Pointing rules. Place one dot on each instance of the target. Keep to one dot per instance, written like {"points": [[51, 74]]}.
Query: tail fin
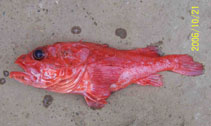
{"points": [[187, 66]]}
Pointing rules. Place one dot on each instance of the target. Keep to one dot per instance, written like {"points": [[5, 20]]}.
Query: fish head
{"points": [[42, 67], [51, 65]]}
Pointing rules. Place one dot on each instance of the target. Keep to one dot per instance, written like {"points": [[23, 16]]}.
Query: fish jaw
{"points": [[22, 77]]}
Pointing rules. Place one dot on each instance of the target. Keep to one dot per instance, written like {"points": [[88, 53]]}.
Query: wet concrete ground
{"points": [[182, 101]]}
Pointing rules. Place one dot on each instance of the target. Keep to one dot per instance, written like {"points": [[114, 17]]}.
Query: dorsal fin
{"points": [[152, 51]]}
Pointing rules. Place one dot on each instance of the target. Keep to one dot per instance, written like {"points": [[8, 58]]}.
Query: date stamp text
{"points": [[195, 27]]}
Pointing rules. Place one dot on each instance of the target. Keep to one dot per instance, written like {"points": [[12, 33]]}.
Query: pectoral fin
{"points": [[94, 102]]}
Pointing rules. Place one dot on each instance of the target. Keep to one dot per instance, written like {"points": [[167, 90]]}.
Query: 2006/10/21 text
{"points": [[195, 25]]}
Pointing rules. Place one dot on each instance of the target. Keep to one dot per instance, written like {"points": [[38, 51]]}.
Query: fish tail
{"points": [[184, 64]]}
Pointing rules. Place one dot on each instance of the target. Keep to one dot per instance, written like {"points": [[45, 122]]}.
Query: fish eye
{"points": [[38, 54]]}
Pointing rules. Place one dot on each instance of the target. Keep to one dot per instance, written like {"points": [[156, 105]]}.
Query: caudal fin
{"points": [[187, 66]]}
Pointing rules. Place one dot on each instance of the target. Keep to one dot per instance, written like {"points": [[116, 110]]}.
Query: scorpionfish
{"points": [[96, 70]]}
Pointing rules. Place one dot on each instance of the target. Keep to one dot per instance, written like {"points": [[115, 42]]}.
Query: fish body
{"points": [[95, 70]]}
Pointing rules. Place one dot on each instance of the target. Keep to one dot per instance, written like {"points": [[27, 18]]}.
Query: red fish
{"points": [[95, 70]]}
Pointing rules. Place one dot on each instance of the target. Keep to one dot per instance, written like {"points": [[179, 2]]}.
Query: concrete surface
{"points": [[182, 101]]}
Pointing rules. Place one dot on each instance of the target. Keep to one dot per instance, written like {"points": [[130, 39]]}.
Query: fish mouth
{"points": [[23, 77]]}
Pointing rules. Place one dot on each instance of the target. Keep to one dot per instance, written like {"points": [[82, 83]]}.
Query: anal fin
{"points": [[153, 80]]}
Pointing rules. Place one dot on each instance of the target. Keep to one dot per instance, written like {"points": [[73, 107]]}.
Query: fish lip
{"points": [[22, 77], [14, 74], [20, 64]]}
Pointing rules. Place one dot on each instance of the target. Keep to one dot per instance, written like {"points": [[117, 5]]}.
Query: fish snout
{"points": [[20, 58]]}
